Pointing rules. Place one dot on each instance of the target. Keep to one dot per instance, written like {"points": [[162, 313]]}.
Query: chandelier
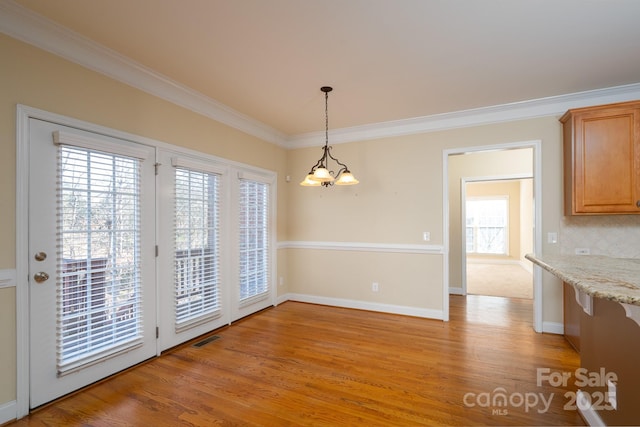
{"points": [[321, 173]]}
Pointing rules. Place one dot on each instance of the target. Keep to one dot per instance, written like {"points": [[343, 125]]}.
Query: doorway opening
{"points": [[497, 223], [476, 170]]}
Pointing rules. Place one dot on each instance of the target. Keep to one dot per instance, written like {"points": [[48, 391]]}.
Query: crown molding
{"points": [[543, 107], [20, 23]]}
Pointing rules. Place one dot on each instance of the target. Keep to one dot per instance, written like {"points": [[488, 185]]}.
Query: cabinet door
{"points": [[606, 161]]}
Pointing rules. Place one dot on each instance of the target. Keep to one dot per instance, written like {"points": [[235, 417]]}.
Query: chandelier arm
{"points": [[317, 165], [322, 161], [345, 168]]}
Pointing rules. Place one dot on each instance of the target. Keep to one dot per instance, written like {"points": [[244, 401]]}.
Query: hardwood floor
{"points": [[303, 364]]}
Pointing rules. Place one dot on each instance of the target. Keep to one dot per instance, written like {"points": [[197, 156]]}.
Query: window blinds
{"points": [[99, 294], [196, 247], [253, 240]]}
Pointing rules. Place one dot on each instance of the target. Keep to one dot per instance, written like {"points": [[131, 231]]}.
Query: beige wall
{"points": [[399, 197], [405, 280], [396, 201], [37, 79]]}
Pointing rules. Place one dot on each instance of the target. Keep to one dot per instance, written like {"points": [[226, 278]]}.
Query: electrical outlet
{"points": [[582, 251], [375, 287], [281, 281], [426, 236]]}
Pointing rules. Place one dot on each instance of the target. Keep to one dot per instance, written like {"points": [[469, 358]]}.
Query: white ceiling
{"points": [[386, 59]]}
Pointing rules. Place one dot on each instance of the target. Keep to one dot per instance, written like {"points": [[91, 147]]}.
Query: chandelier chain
{"points": [[326, 118]]}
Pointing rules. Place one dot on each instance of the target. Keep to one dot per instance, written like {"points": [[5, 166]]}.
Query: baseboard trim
{"points": [[502, 261], [282, 298], [456, 290], [8, 411], [527, 265], [547, 327], [364, 305], [553, 328], [590, 415]]}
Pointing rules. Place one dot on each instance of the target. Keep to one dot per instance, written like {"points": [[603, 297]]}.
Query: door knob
{"points": [[638, 203], [40, 277], [40, 256]]}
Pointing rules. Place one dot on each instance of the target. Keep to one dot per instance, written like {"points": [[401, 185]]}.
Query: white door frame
{"points": [[23, 115], [536, 145]]}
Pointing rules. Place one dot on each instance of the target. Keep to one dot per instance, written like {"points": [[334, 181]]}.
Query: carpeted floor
{"points": [[502, 280]]}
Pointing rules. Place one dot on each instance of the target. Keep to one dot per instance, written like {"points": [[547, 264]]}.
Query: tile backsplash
{"points": [[610, 235]]}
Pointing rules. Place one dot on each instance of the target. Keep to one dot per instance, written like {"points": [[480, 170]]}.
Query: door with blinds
{"points": [[253, 242], [194, 224], [92, 278]]}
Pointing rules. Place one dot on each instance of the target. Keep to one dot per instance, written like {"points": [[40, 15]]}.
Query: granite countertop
{"points": [[615, 279]]}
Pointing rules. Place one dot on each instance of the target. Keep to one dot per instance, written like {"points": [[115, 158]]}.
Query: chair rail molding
{"points": [[364, 247], [7, 278]]}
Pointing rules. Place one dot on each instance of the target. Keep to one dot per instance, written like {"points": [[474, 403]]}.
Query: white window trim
{"points": [[88, 143], [199, 165]]}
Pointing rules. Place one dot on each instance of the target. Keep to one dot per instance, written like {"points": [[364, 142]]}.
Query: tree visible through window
{"points": [[487, 222]]}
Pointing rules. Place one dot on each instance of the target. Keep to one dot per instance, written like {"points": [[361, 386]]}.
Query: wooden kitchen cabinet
{"points": [[602, 159]]}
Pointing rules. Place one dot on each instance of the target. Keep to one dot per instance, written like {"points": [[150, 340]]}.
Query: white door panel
{"points": [[252, 246], [192, 257], [95, 314]]}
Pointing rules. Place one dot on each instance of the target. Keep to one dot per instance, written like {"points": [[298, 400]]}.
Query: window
{"points": [[214, 221], [253, 240], [487, 225], [196, 247], [99, 294]]}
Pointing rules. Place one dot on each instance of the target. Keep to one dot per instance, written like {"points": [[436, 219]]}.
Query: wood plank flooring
{"points": [[302, 364]]}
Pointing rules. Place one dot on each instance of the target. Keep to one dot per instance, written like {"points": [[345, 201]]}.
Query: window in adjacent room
{"points": [[487, 220]]}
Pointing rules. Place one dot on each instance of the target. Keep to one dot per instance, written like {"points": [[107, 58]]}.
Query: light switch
{"points": [[552, 237]]}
